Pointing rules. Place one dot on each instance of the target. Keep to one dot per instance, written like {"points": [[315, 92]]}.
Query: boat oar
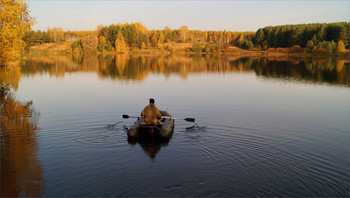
{"points": [[127, 116], [186, 119]]}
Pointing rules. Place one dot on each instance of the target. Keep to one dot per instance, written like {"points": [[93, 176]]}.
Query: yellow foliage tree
{"points": [[183, 33], [241, 38], [160, 46], [140, 27], [340, 47], [143, 45], [120, 45], [14, 22], [89, 43], [161, 38]]}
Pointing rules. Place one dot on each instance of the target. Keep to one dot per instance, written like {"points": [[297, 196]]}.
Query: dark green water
{"points": [[267, 127]]}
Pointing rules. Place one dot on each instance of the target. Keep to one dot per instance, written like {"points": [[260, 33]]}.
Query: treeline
{"points": [[302, 35], [320, 38], [52, 35], [122, 38], [184, 35]]}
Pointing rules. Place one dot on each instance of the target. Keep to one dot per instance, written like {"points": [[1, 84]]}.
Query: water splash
{"points": [[195, 127]]}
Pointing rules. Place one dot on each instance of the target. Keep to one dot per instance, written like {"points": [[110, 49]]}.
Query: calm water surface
{"points": [[266, 127]]}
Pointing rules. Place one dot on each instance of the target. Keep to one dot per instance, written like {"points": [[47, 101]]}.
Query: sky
{"points": [[197, 15]]}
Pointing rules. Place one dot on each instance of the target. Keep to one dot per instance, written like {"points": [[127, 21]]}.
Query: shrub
{"points": [[76, 44], [155, 44], [215, 48], [69, 50], [207, 49], [296, 49], [271, 49], [309, 46], [246, 44], [197, 48]]}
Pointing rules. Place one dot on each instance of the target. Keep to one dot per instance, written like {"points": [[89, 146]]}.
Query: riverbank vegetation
{"points": [[322, 39], [15, 21], [317, 39]]}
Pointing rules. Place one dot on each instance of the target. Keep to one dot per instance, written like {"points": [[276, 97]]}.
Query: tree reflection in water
{"points": [[136, 68], [21, 171]]}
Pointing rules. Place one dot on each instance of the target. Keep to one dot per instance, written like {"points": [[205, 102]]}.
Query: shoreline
{"points": [[62, 48]]}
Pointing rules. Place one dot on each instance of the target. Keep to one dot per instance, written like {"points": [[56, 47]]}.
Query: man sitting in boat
{"points": [[151, 114]]}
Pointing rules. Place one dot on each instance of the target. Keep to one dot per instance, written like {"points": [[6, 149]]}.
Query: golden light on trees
{"points": [[14, 22], [21, 170], [90, 43], [10, 75], [340, 47], [183, 33], [120, 45]]}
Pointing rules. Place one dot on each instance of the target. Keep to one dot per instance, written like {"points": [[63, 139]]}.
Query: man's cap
{"points": [[151, 100]]}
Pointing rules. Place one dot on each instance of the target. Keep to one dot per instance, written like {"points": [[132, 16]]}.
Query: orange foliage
{"points": [[21, 171]]}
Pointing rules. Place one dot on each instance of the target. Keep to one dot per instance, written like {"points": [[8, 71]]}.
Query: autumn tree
{"points": [[14, 22], [207, 48], [241, 38], [89, 43], [197, 48], [183, 33], [340, 46], [143, 46], [154, 37], [309, 46], [56, 34], [120, 45], [98, 29], [161, 38], [102, 44], [167, 34]]}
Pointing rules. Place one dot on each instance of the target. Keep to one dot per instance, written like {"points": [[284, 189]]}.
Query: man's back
{"points": [[151, 114]]}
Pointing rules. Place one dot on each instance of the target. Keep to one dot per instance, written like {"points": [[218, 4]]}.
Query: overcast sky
{"points": [[197, 15]]}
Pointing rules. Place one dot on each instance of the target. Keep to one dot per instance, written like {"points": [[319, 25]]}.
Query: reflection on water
{"points": [[331, 71], [285, 140], [122, 67], [10, 76], [21, 171], [151, 146]]}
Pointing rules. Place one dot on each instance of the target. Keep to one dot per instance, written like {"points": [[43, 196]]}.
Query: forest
{"points": [[123, 38], [302, 35]]}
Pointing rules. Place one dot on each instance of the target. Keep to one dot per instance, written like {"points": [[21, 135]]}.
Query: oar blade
{"points": [[125, 116], [190, 119]]}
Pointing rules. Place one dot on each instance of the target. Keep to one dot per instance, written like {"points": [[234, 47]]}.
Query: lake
{"points": [[265, 126]]}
